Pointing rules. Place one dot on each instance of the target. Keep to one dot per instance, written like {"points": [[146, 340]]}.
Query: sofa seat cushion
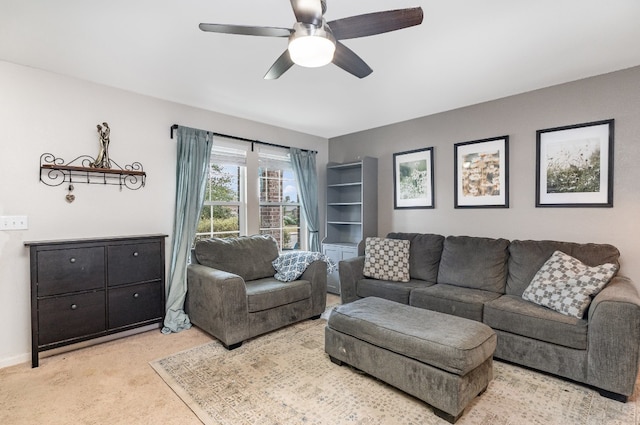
{"points": [[268, 293], [394, 291], [424, 254], [512, 314], [250, 257], [456, 300], [473, 262], [447, 342]]}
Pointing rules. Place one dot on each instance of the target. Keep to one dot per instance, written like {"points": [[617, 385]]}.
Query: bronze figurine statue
{"points": [[102, 160]]}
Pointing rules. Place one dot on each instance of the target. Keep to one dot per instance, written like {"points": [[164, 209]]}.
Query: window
{"points": [[279, 201], [249, 192], [224, 208]]}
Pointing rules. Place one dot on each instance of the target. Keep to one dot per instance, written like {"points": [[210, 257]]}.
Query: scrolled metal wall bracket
{"points": [[54, 172]]}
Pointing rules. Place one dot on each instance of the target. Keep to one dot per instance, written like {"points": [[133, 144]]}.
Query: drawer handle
{"points": [[72, 260], [135, 254], [74, 306], [136, 295]]}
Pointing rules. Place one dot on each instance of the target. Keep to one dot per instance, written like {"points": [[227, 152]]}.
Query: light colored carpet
{"points": [[109, 383], [285, 377]]}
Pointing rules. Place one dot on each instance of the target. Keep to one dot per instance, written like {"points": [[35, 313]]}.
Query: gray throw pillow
{"points": [[387, 259], [566, 285]]}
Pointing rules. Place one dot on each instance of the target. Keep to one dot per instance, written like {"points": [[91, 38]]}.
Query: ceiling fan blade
{"points": [[280, 66], [247, 30], [346, 59], [308, 11], [375, 23]]}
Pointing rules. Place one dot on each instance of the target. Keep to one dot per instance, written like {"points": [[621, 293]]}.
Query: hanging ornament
{"points": [[70, 196]]}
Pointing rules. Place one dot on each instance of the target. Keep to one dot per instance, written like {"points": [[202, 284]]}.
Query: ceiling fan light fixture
{"points": [[311, 46]]}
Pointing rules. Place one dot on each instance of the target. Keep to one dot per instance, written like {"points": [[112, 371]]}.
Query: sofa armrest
{"points": [[350, 271], [316, 274], [217, 303], [614, 337]]}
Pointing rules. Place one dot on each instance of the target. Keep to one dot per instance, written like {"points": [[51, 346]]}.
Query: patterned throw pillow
{"points": [[387, 259], [290, 265], [566, 285]]}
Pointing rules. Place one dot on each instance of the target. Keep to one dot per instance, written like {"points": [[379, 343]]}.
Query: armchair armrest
{"points": [[217, 303], [614, 337], [350, 271], [316, 274]]}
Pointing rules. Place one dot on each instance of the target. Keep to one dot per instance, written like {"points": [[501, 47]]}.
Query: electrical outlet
{"points": [[14, 222]]}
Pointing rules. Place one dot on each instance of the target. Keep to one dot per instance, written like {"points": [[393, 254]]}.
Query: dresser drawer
{"points": [[135, 303], [71, 316], [70, 269], [136, 262]]}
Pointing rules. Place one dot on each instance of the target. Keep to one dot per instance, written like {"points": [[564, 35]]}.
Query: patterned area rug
{"points": [[285, 377]]}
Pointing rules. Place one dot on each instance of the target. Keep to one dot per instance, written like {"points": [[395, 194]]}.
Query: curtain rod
{"points": [[175, 127]]}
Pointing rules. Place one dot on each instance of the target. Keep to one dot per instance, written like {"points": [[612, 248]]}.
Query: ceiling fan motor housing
{"points": [[310, 45]]}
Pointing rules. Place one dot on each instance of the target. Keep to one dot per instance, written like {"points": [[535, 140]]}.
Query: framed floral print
{"points": [[481, 173]]}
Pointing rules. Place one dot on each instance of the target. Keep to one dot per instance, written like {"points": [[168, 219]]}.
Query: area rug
{"points": [[285, 378]]}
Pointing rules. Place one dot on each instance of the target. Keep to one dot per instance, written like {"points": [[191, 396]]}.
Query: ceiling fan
{"points": [[313, 42]]}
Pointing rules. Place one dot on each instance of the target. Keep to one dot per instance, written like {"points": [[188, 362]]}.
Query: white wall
{"points": [[45, 112], [615, 95]]}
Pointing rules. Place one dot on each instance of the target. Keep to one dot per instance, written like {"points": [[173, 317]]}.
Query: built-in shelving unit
{"points": [[352, 210]]}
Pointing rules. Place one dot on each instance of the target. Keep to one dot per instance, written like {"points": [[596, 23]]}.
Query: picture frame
{"points": [[413, 185], [574, 165], [481, 173]]}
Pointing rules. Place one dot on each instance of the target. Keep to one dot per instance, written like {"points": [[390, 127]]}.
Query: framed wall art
{"points": [[481, 173], [413, 179], [574, 165]]}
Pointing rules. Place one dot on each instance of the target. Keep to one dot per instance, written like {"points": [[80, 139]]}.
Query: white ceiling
{"points": [[465, 52]]}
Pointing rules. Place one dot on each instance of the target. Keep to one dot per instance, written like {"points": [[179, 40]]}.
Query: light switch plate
{"points": [[14, 222]]}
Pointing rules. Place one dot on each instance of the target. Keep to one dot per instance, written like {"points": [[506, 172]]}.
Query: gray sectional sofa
{"points": [[483, 279]]}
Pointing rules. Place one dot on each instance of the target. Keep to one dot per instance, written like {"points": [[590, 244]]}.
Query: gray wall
{"points": [[615, 95]]}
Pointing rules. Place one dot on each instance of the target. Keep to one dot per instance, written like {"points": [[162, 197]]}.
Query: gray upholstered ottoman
{"points": [[443, 360]]}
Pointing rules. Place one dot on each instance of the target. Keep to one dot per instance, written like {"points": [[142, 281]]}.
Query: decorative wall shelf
{"points": [[54, 172]]}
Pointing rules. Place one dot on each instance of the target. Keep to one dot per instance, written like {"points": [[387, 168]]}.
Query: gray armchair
{"points": [[233, 295]]}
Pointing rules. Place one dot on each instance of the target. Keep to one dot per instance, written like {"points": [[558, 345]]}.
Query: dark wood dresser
{"points": [[88, 288]]}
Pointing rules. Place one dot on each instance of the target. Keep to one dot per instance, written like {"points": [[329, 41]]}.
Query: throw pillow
{"points": [[291, 264], [387, 259], [566, 285]]}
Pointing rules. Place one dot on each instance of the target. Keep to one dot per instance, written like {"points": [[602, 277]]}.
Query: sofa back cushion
{"points": [[474, 262], [424, 254], [527, 257], [249, 257]]}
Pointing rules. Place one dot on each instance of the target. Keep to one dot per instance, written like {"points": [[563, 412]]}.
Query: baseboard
{"points": [[26, 357], [15, 360]]}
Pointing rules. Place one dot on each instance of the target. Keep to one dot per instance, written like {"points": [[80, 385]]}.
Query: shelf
{"points": [[344, 204], [357, 164], [358, 223], [54, 172], [342, 244], [345, 184]]}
